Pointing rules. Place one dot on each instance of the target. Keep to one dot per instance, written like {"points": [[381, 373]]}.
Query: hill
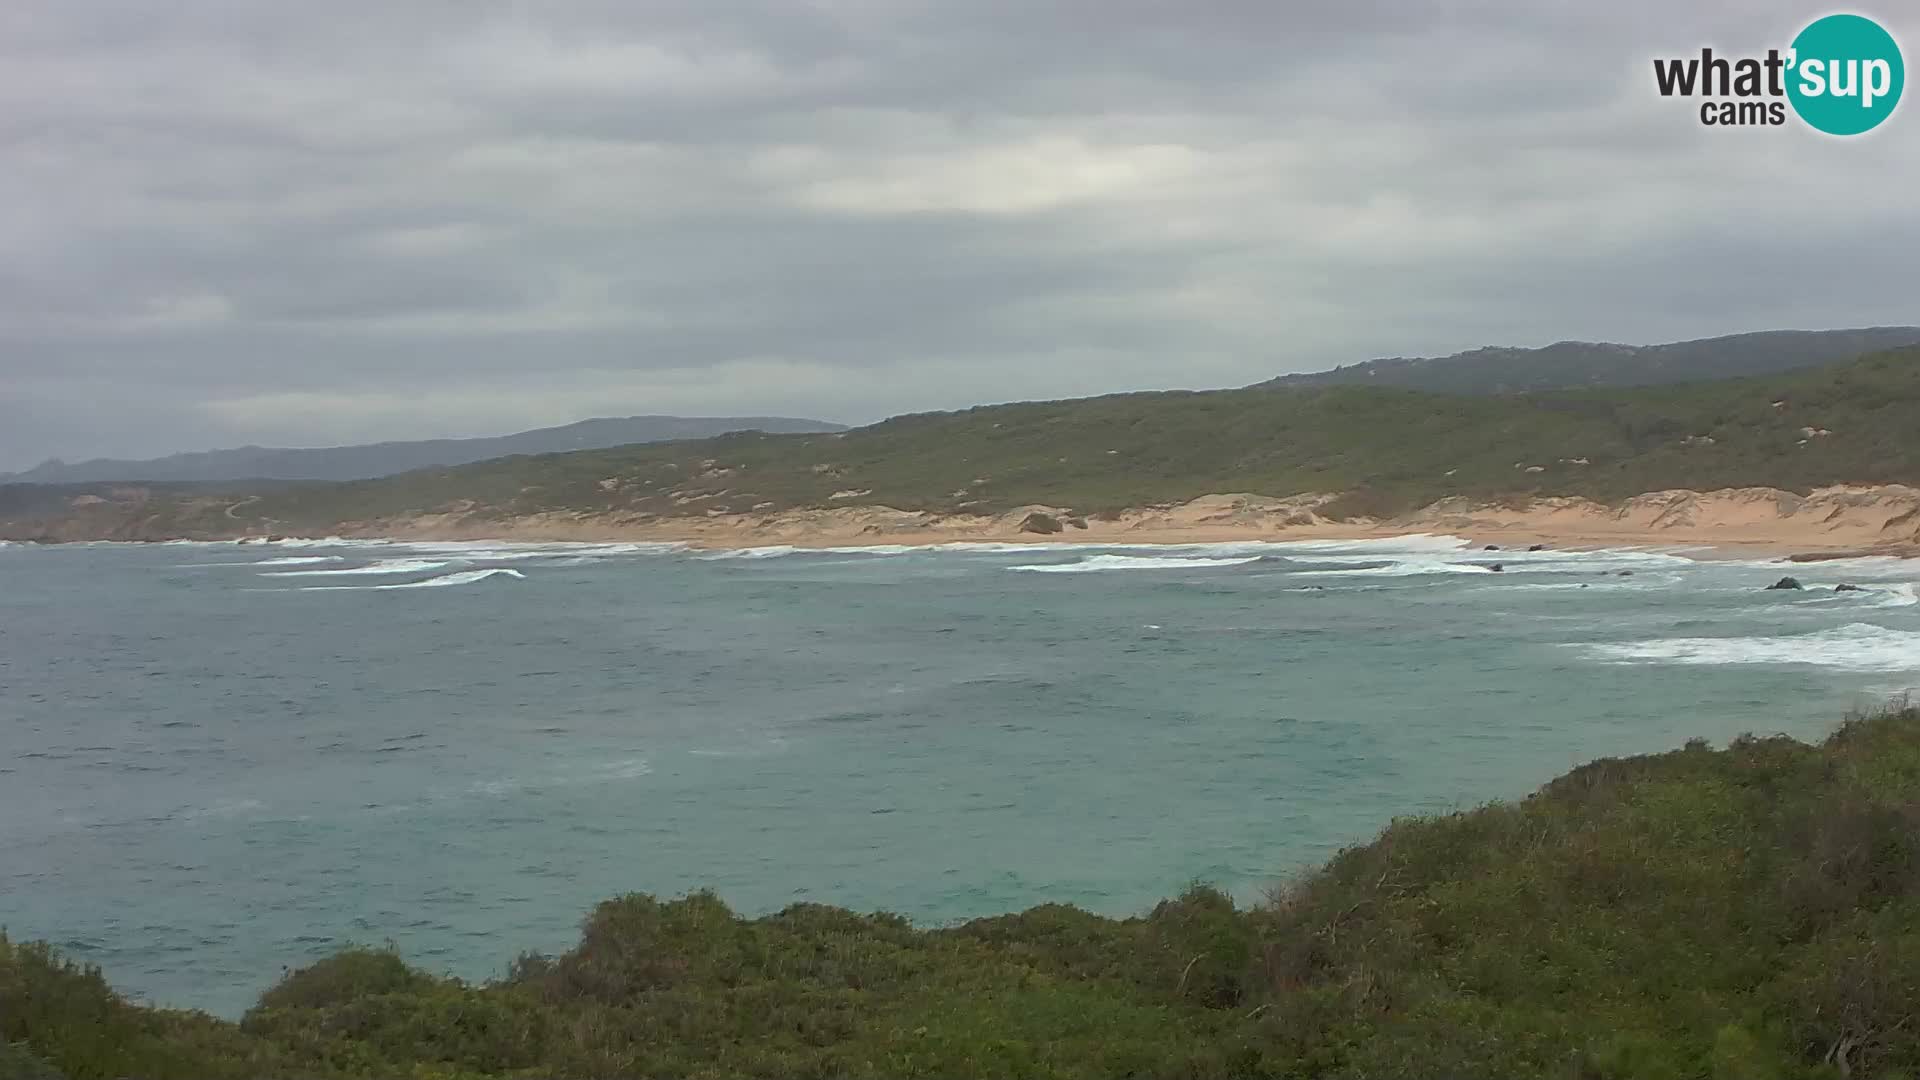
{"points": [[1752, 912], [1386, 450], [388, 458], [1571, 364]]}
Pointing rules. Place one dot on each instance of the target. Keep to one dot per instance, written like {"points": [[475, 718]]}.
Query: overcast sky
{"points": [[224, 221]]}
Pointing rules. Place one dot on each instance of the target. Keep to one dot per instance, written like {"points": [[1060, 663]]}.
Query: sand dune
{"points": [[1835, 520]]}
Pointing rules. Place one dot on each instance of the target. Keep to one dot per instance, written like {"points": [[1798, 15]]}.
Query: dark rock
{"points": [[1044, 524], [1786, 583], [1538, 547], [1623, 573], [1843, 587], [1491, 547], [1497, 568]]}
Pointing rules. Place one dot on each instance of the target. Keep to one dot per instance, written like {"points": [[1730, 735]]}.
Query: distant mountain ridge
{"points": [[372, 460], [1568, 365]]}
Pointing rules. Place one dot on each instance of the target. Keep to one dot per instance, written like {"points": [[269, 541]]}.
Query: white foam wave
{"points": [[1093, 563], [1853, 647], [292, 560], [662, 547], [1410, 542], [1001, 547], [458, 577], [315, 541], [775, 551], [384, 566], [771, 551], [1901, 595], [557, 553], [1408, 568], [622, 769]]}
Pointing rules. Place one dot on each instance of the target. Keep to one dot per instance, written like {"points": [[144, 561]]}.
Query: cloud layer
{"points": [[305, 225]]}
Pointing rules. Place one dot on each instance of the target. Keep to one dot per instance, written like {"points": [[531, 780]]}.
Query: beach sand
{"points": [[1830, 522]]}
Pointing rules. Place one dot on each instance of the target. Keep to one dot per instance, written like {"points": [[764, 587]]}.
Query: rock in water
{"points": [[1036, 522], [1491, 547], [1497, 568], [1538, 547], [1786, 583], [1843, 587]]}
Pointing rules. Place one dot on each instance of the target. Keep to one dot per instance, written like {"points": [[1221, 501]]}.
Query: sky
{"points": [[226, 222]]}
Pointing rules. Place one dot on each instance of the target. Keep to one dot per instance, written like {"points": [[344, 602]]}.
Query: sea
{"points": [[219, 762]]}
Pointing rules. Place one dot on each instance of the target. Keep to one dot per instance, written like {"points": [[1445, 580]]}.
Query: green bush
{"points": [[1752, 912]]}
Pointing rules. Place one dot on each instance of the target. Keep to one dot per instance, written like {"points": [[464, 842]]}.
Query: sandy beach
{"points": [[1827, 523]]}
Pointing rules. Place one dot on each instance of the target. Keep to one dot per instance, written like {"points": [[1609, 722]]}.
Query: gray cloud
{"points": [[236, 222]]}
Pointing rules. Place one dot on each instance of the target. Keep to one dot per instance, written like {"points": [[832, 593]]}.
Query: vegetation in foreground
{"points": [[1387, 450], [1752, 912]]}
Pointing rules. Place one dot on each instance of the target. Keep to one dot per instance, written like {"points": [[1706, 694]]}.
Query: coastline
{"points": [[1828, 523], [1838, 522]]}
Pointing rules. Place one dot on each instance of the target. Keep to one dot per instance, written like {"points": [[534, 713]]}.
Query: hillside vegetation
{"points": [[1387, 450], [1578, 364], [1752, 912]]}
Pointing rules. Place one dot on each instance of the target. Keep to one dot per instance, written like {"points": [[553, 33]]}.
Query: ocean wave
{"points": [[557, 553], [1901, 595], [638, 547], [1853, 647], [1094, 563], [312, 542], [1407, 568], [1637, 583], [1896, 595], [290, 560], [384, 566], [1000, 547], [770, 551], [776, 551], [1411, 542], [620, 769], [458, 577]]}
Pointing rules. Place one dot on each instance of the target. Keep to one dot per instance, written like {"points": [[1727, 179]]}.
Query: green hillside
{"points": [[1569, 364], [1745, 913], [1389, 450]]}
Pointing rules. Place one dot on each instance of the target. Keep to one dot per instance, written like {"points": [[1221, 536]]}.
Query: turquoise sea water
{"points": [[220, 760]]}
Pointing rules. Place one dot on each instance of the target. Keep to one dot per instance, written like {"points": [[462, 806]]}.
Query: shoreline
{"points": [[1829, 523]]}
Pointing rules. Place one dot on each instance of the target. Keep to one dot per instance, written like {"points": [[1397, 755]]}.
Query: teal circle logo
{"points": [[1845, 74]]}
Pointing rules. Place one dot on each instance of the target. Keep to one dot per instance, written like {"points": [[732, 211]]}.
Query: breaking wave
{"points": [[384, 566], [1853, 647], [773, 551], [1132, 562], [1901, 595], [1409, 568], [458, 577], [292, 560]]}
